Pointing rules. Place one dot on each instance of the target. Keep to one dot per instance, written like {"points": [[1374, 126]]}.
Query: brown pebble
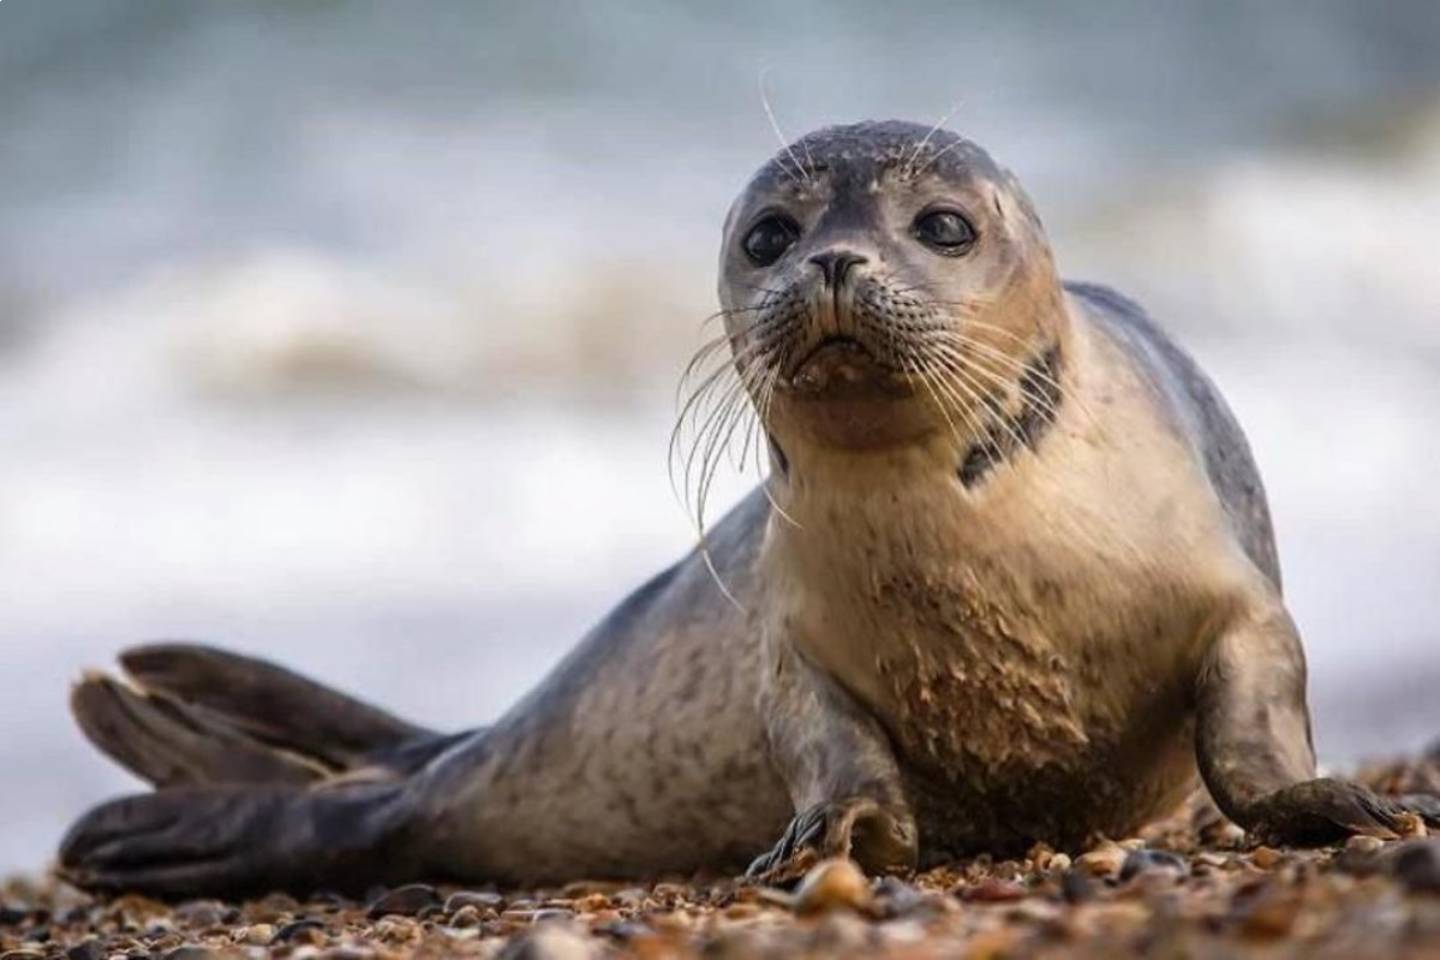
{"points": [[831, 884], [306, 931], [1271, 915], [465, 917], [1363, 843], [1105, 860], [1265, 857], [259, 934], [994, 891]]}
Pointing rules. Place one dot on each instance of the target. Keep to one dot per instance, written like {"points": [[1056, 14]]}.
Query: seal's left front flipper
{"points": [[841, 772], [237, 841], [1254, 746]]}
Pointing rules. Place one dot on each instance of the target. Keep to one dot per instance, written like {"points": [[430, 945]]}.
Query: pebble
{"points": [[1076, 886], [406, 901], [994, 891], [832, 884], [550, 941], [1265, 857], [189, 952], [1152, 861], [1105, 860], [91, 949], [466, 917], [301, 931], [478, 899], [1363, 843], [259, 934], [1416, 864]]}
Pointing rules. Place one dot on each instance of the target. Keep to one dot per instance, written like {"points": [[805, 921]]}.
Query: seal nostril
{"points": [[834, 264]]}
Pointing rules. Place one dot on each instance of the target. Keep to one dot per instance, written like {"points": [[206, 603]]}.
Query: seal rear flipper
{"points": [[169, 744], [235, 841], [272, 704]]}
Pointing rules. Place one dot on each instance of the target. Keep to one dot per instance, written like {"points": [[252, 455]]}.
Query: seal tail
{"points": [[195, 715]]}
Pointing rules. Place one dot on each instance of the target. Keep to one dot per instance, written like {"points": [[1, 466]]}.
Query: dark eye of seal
{"points": [[768, 240], [945, 231]]}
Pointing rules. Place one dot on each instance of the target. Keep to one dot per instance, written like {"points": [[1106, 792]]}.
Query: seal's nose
{"points": [[834, 264]]}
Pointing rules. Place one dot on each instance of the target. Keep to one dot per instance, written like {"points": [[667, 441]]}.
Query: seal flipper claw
{"points": [[858, 828]]}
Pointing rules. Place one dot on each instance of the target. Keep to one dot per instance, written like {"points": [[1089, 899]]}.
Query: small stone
{"points": [[1076, 886], [1105, 860], [91, 949], [466, 917], [1411, 826], [1362, 843], [22, 954], [1416, 864], [1152, 861], [305, 931], [549, 941], [479, 899], [994, 891], [899, 898], [257, 935], [201, 913], [1265, 857], [1271, 914], [831, 884], [406, 901], [1059, 863], [189, 952]]}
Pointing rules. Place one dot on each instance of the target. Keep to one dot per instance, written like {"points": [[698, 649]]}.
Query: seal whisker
{"points": [[919, 147], [784, 143]]}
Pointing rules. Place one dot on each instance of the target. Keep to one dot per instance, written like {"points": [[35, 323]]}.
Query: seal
{"points": [[1011, 579]]}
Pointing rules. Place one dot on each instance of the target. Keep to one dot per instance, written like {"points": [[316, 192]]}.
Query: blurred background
{"points": [[347, 333]]}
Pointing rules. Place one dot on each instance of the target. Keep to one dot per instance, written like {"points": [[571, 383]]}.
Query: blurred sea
{"points": [[346, 333]]}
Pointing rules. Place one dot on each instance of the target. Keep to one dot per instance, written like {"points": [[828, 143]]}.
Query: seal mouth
{"points": [[836, 346], [840, 362]]}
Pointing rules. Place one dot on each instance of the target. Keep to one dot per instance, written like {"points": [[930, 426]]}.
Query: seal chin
{"points": [[842, 395], [843, 365]]}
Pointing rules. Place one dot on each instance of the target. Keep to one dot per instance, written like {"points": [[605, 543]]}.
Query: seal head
{"points": [[864, 265]]}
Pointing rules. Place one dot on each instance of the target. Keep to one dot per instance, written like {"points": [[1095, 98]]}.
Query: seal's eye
{"points": [[945, 231], [768, 240]]}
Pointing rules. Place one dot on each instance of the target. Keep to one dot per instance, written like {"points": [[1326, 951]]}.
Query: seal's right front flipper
{"points": [[229, 841], [1253, 743], [842, 775]]}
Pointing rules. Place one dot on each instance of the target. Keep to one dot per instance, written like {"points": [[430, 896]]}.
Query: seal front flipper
{"points": [[1254, 746], [843, 777], [237, 841]]}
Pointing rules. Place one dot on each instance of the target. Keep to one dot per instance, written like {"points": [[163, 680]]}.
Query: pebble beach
{"points": [[1190, 886]]}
